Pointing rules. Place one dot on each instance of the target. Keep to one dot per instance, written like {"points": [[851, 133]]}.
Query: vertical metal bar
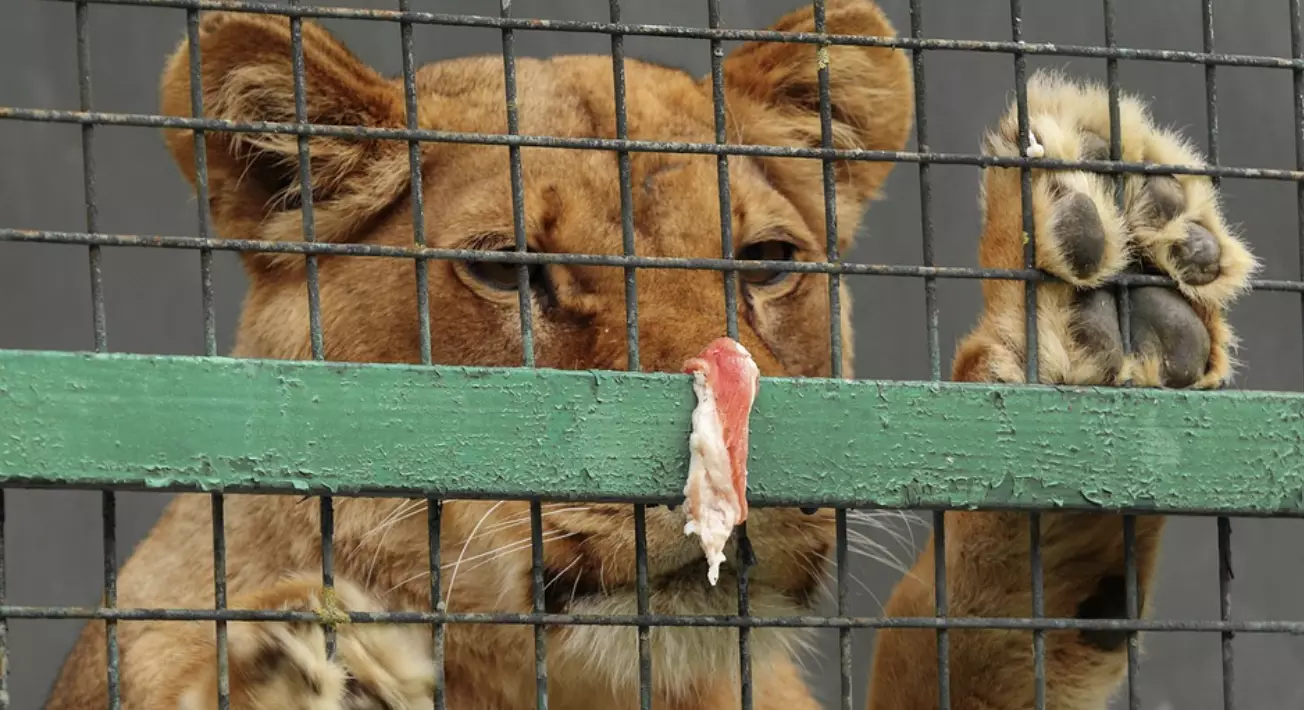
{"points": [[201, 183], [540, 634], [210, 344], [305, 186], [925, 192], [327, 509], [1214, 157], [722, 171], [1297, 51], [1133, 611], [939, 610], [418, 194], [644, 631], [88, 176], [219, 600], [830, 198], [518, 189], [4, 622], [626, 194], [110, 513], [731, 327], [434, 523], [1123, 293], [328, 562], [1210, 86], [1225, 576], [1038, 611], [934, 348], [1032, 352], [844, 633]]}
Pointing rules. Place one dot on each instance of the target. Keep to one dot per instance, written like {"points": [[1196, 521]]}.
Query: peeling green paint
{"points": [[221, 424]]}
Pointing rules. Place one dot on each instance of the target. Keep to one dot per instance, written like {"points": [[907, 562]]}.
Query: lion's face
{"points": [[570, 201]]}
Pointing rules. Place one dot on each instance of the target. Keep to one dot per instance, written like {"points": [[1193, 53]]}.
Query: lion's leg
{"points": [[1180, 338]]}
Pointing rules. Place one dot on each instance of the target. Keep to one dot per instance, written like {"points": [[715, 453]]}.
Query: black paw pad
{"points": [[1096, 328], [1109, 601], [1197, 256], [1082, 234], [1164, 325], [1167, 198]]}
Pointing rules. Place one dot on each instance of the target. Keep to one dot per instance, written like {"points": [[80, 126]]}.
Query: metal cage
{"points": [[37, 406]]}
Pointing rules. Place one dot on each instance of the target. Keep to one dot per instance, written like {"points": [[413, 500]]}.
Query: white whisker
{"points": [[829, 573], [564, 570], [492, 555], [448, 600]]}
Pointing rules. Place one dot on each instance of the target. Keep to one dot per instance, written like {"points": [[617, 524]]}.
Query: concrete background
{"points": [[153, 296]]}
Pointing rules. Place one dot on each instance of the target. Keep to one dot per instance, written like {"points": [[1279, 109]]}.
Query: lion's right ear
{"points": [[246, 75]]}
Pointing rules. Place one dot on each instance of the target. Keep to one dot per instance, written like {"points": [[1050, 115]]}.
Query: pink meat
{"points": [[726, 380]]}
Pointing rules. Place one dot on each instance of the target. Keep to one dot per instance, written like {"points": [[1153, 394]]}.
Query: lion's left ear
{"points": [[772, 91]]}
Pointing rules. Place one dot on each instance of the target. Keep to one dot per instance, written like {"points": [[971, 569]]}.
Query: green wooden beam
{"points": [[220, 424]]}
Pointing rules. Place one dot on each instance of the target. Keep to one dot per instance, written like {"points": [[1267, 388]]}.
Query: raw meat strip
{"points": [[725, 379]]}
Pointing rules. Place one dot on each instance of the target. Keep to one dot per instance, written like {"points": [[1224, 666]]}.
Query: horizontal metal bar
{"points": [[189, 423], [652, 30], [637, 146], [665, 620], [642, 262]]}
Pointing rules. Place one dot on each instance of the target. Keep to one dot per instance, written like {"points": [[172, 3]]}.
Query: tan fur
{"points": [[361, 194]]}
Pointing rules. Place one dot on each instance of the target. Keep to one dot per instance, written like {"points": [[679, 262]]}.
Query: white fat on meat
{"points": [[725, 381]]}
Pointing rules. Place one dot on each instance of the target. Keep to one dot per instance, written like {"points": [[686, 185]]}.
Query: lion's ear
{"points": [[246, 72], [772, 91]]}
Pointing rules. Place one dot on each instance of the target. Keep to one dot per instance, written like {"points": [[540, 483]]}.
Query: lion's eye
{"points": [[772, 250], [500, 275]]}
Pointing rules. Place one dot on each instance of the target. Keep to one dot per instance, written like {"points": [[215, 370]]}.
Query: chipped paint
{"points": [[181, 423]]}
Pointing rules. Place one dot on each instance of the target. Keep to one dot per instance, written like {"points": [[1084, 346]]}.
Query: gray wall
{"points": [[153, 296]]}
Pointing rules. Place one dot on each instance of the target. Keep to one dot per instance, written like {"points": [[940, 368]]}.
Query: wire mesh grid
{"points": [[523, 259]]}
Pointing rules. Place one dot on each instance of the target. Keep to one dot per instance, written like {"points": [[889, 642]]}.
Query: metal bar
{"points": [[1224, 523], [327, 514], [472, 255], [210, 344], [830, 197], [421, 266], [523, 285], [633, 620], [434, 527], [219, 600], [305, 186], [4, 621], [844, 635], [540, 630], [96, 259], [722, 173], [1225, 576], [730, 278], [1038, 611], [641, 587], [940, 611], [925, 193], [683, 32], [108, 503], [633, 146], [1032, 352], [627, 233], [201, 183], [1297, 49], [1133, 612], [1122, 292]]}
